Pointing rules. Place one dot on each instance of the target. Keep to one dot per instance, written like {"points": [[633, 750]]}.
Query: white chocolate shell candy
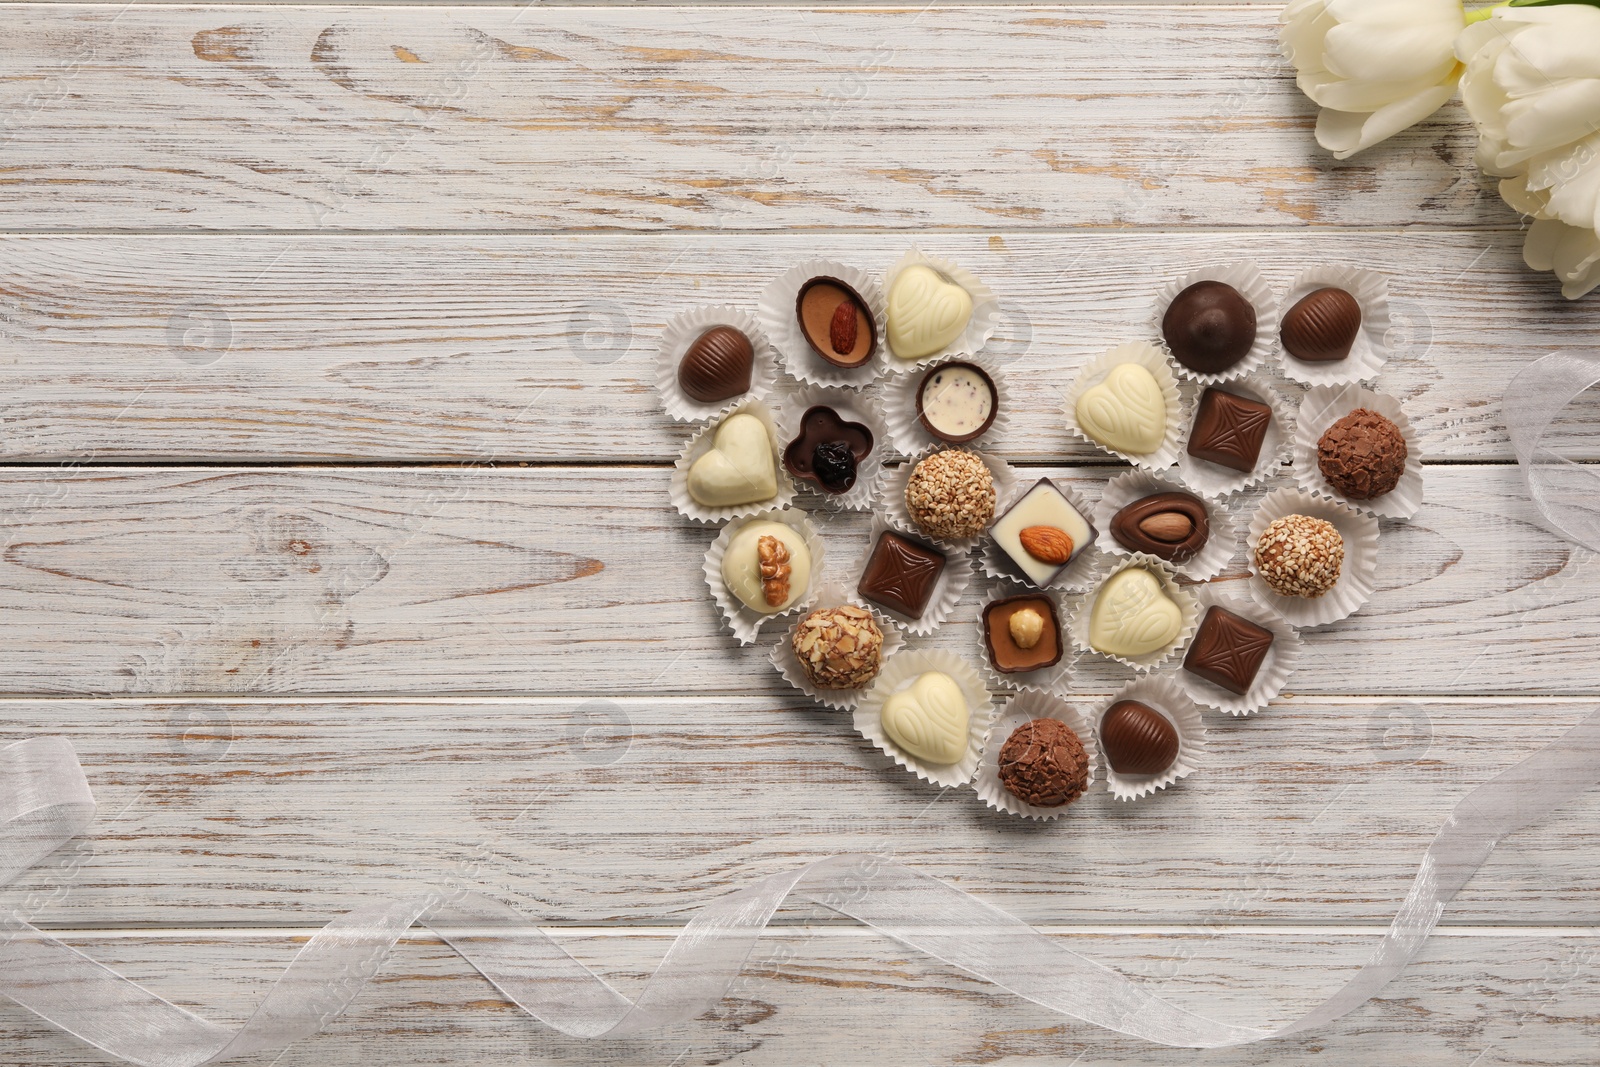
{"points": [[787, 571], [1133, 616], [929, 719], [1126, 412], [739, 469], [926, 312]]}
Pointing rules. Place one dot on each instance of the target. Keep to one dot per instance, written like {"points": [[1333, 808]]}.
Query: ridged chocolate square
{"points": [[901, 574], [1228, 430], [1228, 650]]}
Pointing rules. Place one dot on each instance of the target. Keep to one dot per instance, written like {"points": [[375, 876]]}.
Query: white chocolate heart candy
{"points": [[739, 469], [1133, 616], [926, 312], [929, 719], [1126, 411]]}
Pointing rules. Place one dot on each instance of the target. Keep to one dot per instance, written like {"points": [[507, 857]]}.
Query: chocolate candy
{"points": [[1137, 739], [835, 322], [767, 566], [717, 366], [901, 574], [1125, 411], [1363, 455], [1044, 764], [1209, 327], [1169, 526], [1299, 555], [1228, 650], [827, 450], [739, 468], [1133, 616], [1229, 430], [929, 719], [956, 402], [1042, 508], [1022, 633], [1322, 326], [927, 312]]}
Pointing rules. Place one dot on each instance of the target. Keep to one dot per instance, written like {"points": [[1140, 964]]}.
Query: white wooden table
{"points": [[336, 535]]}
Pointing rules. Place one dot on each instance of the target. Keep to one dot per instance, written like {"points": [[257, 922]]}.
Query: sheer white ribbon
{"points": [[45, 802]]}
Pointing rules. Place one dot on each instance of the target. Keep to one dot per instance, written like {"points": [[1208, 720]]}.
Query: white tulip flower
{"points": [[1532, 85], [1375, 66]]}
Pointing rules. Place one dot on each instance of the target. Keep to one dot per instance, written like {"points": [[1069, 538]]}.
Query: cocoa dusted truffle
{"points": [[1363, 455], [1043, 763], [839, 648], [1300, 556], [951, 495]]}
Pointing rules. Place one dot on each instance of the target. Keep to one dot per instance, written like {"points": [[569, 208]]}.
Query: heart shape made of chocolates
{"points": [[926, 312], [1125, 412], [929, 719], [1133, 616], [739, 469]]}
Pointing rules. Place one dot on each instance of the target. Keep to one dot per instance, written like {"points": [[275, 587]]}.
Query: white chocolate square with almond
{"points": [[1042, 506]]}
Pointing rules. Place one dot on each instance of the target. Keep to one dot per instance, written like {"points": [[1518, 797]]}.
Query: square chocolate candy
{"points": [[901, 574], [1229, 429], [1228, 650]]}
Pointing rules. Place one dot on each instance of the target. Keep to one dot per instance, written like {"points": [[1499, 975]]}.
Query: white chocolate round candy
{"points": [[789, 563]]}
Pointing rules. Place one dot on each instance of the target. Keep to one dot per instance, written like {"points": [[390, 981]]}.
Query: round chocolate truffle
{"points": [[839, 648], [1209, 327], [1362, 456], [1043, 764], [1300, 556], [951, 495]]}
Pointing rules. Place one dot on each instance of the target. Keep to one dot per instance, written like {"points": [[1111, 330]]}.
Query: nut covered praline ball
{"points": [[951, 495], [839, 648], [1362, 456], [1300, 556], [1043, 763]]}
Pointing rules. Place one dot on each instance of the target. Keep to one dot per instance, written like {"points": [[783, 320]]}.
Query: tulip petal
{"points": [[1301, 40], [1345, 133], [1391, 53], [1560, 115]]}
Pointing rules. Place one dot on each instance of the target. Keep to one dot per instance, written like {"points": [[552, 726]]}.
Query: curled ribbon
{"points": [[45, 802]]}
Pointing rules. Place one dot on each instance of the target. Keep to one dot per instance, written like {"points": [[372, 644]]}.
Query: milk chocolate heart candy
{"points": [[1125, 412], [1133, 616], [739, 469], [926, 312], [929, 719]]}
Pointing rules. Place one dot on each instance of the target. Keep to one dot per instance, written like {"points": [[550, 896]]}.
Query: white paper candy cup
{"points": [[899, 673], [893, 499], [1124, 489], [1371, 349], [1055, 679], [1325, 405], [1020, 709], [1275, 669], [1075, 578], [947, 591], [683, 329], [1214, 480], [744, 622], [1153, 360], [850, 406], [783, 658], [980, 327], [777, 315], [1245, 277], [900, 408], [1083, 610], [701, 443], [1162, 694], [1354, 588]]}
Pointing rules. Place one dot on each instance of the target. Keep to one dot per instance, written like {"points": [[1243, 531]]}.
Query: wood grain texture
{"points": [[614, 118]]}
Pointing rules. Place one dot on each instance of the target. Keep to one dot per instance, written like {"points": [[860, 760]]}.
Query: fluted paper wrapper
{"points": [[850, 406], [701, 443], [744, 622], [777, 316], [1153, 360], [893, 500], [1275, 669], [947, 591], [1325, 405], [1163, 695], [898, 674], [1020, 709], [900, 408], [1055, 680], [683, 330], [1075, 578], [1371, 349], [831, 595], [980, 327], [1245, 277], [1124, 489], [1083, 609], [1216, 481], [1354, 588]]}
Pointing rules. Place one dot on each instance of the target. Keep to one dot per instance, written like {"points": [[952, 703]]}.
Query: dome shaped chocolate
{"points": [[717, 366], [1321, 326], [1137, 739], [1209, 327]]}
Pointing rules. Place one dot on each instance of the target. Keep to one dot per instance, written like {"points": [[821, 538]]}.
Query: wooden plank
{"points": [[772, 119], [543, 349]]}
